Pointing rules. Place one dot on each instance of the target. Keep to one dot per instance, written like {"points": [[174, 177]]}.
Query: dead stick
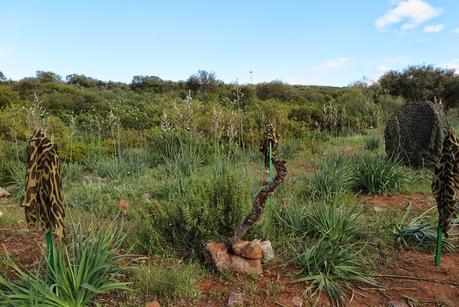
{"points": [[260, 201], [419, 278]]}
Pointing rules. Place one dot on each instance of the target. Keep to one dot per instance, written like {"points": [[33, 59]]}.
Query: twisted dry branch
{"points": [[260, 201]]}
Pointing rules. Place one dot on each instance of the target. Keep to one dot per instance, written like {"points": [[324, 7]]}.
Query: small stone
{"points": [[123, 205], [239, 247], [378, 209], [236, 299], [147, 196], [4, 193], [217, 254], [1, 214], [395, 303], [21, 224], [297, 301], [267, 251], [245, 266], [153, 304], [252, 250]]}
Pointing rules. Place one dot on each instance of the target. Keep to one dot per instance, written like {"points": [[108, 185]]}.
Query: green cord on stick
{"points": [[439, 246], [49, 241], [270, 168]]}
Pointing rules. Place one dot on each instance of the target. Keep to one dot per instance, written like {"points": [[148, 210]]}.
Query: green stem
{"points": [[270, 171], [49, 241], [439, 247]]}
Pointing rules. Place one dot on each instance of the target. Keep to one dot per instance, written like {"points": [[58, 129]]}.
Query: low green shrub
{"points": [[191, 211]]}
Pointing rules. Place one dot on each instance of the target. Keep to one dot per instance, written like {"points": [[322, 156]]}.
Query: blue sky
{"points": [[303, 42]]}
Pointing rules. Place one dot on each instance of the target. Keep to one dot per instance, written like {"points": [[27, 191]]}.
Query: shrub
{"points": [[372, 143], [375, 174], [193, 210], [89, 265], [173, 281]]}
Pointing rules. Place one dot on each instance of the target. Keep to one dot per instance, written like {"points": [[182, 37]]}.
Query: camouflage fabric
{"points": [[270, 135], [445, 183], [43, 193], [415, 133]]}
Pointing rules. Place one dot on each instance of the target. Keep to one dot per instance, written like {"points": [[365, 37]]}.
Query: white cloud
{"points": [[453, 64], [330, 65], [434, 28], [456, 31], [412, 12]]}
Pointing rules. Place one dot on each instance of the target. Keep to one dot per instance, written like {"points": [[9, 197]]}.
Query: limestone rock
{"points": [[219, 256], [4, 193], [153, 304], [267, 251], [395, 303], [245, 266], [236, 299], [248, 249], [297, 301]]}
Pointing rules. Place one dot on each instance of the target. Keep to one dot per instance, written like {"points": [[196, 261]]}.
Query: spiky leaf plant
{"points": [[332, 268], [88, 266]]}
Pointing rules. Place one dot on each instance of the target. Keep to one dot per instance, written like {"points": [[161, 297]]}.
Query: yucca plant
{"points": [[419, 232], [373, 174], [331, 180], [87, 266], [332, 268], [339, 223]]}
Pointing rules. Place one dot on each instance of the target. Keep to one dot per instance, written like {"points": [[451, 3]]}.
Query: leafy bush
{"points": [[375, 174], [89, 265], [173, 281], [372, 143], [204, 207]]}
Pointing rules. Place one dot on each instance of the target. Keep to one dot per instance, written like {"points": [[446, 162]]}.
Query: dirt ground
{"points": [[411, 280]]}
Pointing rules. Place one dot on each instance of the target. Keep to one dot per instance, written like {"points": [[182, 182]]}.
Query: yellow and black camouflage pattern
{"points": [[270, 135], [445, 183], [42, 200]]}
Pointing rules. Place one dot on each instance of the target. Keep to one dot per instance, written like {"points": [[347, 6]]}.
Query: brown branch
{"points": [[260, 201]]}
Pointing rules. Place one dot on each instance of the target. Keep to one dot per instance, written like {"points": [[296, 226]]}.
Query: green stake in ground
{"points": [[43, 193], [445, 185]]}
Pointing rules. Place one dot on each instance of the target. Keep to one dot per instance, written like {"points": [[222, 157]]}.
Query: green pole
{"points": [[439, 247], [270, 171], [270, 162], [49, 241]]}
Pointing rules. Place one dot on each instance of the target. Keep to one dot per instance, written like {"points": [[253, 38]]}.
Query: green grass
{"points": [[174, 281]]}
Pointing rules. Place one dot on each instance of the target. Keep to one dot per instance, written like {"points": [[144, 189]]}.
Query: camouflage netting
{"points": [[415, 132]]}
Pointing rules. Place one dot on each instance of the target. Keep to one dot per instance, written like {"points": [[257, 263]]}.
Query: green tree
{"points": [[47, 76], [2, 77], [424, 82]]}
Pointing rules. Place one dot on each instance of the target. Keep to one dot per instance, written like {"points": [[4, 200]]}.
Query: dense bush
{"points": [[189, 211]]}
